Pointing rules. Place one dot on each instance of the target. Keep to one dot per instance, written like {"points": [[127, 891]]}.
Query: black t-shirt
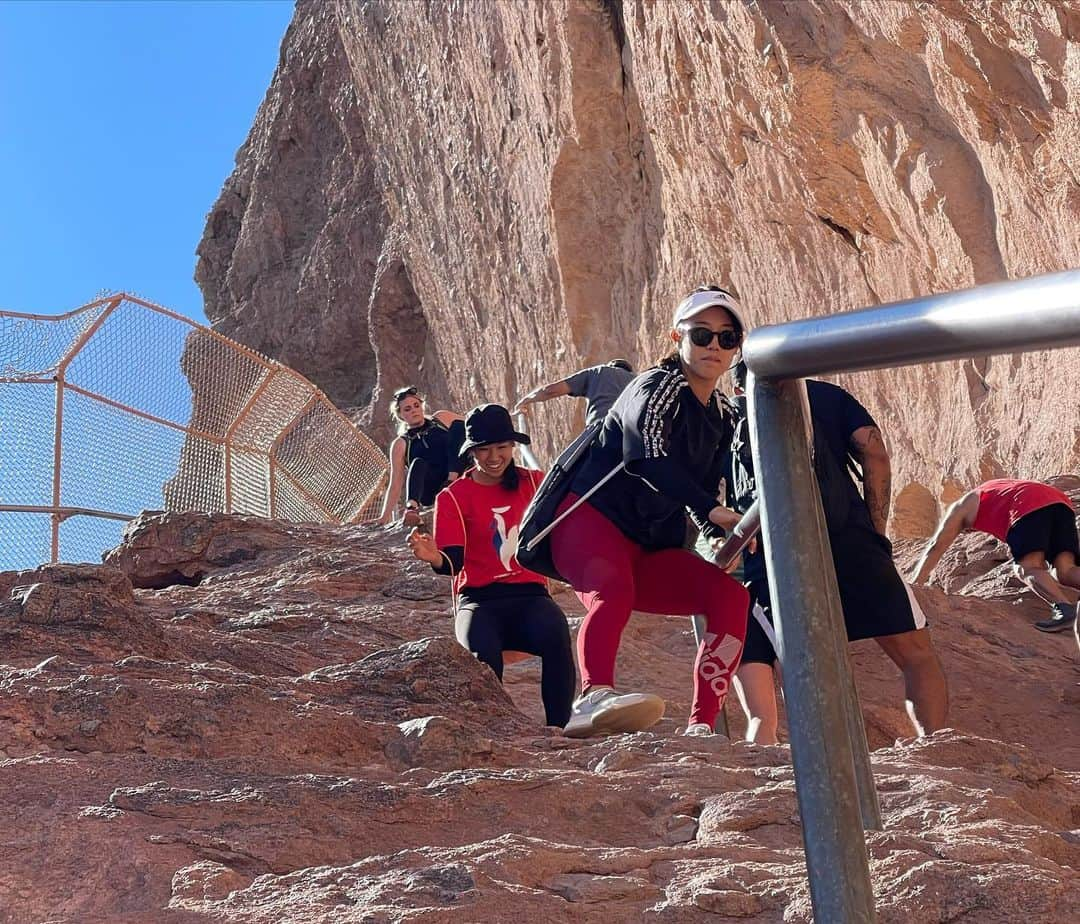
{"points": [[673, 447], [436, 444], [836, 415]]}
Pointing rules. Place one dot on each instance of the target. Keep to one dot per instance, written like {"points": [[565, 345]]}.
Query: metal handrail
{"points": [[1004, 317], [742, 533], [834, 781]]}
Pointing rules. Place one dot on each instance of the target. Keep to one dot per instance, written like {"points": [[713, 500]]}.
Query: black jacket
{"points": [[673, 447]]}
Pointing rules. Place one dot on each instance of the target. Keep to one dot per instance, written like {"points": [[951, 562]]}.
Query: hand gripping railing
{"points": [[828, 742], [742, 533]]}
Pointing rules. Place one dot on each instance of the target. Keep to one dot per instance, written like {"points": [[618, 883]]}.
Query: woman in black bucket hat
{"points": [[499, 606]]}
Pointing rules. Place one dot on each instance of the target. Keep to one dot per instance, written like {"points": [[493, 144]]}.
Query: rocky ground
{"points": [[240, 720]]}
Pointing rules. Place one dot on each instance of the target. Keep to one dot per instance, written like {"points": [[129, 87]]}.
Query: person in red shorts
{"points": [[1038, 524], [658, 456], [499, 606]]}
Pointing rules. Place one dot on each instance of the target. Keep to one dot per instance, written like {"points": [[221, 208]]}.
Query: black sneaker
{"points": [[1064, 615]]}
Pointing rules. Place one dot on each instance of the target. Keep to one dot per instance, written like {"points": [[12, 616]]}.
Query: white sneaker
{"points": [[697, 730], [603, 710]]}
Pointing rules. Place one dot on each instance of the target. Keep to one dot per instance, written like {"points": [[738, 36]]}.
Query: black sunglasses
{"points": [[727, 338], [404, 393]]}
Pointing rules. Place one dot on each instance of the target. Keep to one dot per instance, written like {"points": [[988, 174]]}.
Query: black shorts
{"points": [[758, 647], [875, 599], [1050, 530]]}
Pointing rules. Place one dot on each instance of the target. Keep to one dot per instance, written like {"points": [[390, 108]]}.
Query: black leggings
{"points": [[532, 623], [431, 465], [424, 481]]}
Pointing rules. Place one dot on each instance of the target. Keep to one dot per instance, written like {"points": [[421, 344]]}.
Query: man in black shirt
{"points": [[876, 602]]}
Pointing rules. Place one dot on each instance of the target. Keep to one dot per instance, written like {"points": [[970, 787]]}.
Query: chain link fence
{"points": [[122, 406]]}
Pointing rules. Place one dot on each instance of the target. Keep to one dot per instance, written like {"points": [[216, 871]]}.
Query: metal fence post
{"points": [[816, 680], [58, 455], [58, 440]]}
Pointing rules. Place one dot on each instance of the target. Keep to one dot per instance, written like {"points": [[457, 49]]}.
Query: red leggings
{"points": [[613, 575]]}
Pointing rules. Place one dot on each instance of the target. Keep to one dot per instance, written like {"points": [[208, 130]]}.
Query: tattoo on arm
{"points": [[868, 446]]}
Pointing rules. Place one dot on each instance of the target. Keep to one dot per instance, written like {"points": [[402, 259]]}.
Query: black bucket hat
{"points": [[490, 423]]}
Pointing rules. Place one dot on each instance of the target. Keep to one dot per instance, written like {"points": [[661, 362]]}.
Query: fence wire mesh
{"points": [[122, 406]]}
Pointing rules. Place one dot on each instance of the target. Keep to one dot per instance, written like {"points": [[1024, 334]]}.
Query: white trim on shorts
{"points": [[766, 627], [917, 614]]}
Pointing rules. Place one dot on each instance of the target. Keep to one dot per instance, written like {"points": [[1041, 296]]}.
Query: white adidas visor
{"points": [[697, 302]]}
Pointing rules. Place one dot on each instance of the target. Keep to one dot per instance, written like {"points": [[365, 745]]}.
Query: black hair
{"points": [[738, 376], [510, 477], [622, 364], [671, 361]]}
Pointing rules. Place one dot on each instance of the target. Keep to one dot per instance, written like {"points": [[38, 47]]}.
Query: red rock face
{"points": [[234, 719], [483, 196]]}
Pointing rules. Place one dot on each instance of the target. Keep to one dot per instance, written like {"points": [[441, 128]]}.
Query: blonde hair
{"points": [[409, 391]]}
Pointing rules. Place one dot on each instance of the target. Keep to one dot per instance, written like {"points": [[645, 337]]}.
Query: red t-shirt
{"points": [[1002, 502], [485, 519]]}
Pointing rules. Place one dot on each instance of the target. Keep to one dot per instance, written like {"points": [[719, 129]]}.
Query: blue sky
{"points": [[119, 122]]}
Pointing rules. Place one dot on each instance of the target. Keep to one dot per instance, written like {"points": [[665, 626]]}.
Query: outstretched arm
{"points": [[960, 516], [868, 447], [543, 393], [397, 479]]}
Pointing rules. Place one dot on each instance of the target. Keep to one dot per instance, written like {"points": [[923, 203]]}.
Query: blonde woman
{"points": [[424, 456]]}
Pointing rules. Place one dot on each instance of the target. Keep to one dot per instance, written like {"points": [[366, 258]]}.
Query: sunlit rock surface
{"points": [[479, 196], [289, 733]]}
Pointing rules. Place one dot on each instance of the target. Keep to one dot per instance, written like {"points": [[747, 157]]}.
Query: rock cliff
{"points": [[479, 196], [235, 719]]}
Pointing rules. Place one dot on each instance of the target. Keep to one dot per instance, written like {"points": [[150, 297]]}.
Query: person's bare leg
{"points": [[925, 688], [756, 689], [1033, 571], [1067, 573]]}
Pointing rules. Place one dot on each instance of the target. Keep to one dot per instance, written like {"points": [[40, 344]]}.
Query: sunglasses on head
{"points": [[727, 338], [403, 393]]}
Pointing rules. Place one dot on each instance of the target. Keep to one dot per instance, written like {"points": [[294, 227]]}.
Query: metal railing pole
{"points": [[816, 680]]}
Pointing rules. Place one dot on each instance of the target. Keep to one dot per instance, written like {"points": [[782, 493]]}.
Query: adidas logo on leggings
{"points": [[716, 661]]}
